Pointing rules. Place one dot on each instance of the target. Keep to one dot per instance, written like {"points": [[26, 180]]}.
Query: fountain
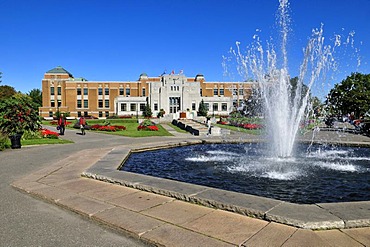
{"points": [[285, 106], [287, 170]]}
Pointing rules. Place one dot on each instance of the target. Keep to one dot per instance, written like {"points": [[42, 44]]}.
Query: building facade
{"points": [[174, 93]]}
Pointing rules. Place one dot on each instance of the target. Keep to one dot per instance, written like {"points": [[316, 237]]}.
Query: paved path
{"points": [[25, 221], [53, 173]]}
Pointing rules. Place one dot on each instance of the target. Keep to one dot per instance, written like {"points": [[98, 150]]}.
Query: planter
{"points": [[15, 141]]}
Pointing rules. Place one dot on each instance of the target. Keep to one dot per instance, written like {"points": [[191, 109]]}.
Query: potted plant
{"points": [[17, 115]]}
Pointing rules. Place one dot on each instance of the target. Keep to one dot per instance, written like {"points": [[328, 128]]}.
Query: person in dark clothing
{"points": [[62, 124], [82, 123]]}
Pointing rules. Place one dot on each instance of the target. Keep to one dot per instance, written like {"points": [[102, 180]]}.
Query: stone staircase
{"points": [[198, 128]]}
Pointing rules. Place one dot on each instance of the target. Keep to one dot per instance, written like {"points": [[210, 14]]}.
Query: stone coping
{"points": [[308, 216]]}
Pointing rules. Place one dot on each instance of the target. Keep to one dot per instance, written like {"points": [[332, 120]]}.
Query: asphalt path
{"points": [[27, 221]]}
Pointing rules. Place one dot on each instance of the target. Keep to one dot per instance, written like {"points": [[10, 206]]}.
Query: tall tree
{"points": [[6, 92], [147, 111], [351, 95], [36, 96], [202, 110]]}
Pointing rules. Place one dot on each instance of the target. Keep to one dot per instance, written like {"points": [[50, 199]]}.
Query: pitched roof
{"points": [[59, 70]]}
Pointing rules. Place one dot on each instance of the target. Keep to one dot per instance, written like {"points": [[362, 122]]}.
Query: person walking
{"points": [[209, 125], [62, 123], [82, 123]]}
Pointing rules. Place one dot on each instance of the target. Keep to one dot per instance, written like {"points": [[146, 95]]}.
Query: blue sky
{"points": [[117, 40]]}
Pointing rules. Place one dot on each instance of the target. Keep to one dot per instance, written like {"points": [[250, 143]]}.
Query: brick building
{"points": [[174, 93]]}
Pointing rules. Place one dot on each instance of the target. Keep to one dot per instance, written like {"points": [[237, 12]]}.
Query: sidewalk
{"points": [[162, 220]]}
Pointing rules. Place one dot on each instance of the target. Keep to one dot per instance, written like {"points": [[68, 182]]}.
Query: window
{"points": [[52, 103], [142, 107], [78, 114], [215, 91], [50, 114], [100, 103], [78, 91], [100, 114], [59, 103], [215, 106], [106, 103], [127, 91], [59, 91], [156, 106], [174, 104], [107, 114], [207, 106], [224, 106], [133, 107], [123, 107], [86, 113], [79, 103], [106, 91], [241, 91], [143, 92], [193, 106], [100, 91], [121, 91], [222, 91], [51, 90], [201, 92], [86, 91], [86, 103]]}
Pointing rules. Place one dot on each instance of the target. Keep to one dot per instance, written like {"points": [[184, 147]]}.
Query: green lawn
{"points": [[42, 141], [130, 124]]}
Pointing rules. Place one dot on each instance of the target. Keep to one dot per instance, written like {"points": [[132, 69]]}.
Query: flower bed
{"points": [[49, 134], [147, 125], [149, 128], [250, 126], [111, 128]]}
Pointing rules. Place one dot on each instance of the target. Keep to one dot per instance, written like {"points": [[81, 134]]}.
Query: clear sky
{"points": [[117, 40]]}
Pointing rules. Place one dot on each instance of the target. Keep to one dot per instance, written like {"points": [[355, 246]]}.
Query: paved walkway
{"points": [[154, 218]]}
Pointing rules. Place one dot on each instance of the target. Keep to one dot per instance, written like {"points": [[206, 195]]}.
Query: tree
{"points": [[147, 111], [202, 110], [350, 95], [6, 92], [254, 104], [36, 96]]}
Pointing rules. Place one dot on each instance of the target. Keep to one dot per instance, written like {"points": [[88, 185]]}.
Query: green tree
{"points": [[6, 92], [350, 95], [202, 110], [254, 104], [36, 96], [147, 111]]}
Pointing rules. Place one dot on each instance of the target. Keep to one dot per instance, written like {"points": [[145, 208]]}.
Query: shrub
{"points": [[3, 142], [17, 115], [27, 135]]}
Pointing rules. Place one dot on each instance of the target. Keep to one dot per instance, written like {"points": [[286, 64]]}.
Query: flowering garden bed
{"points": [[249, 126], [150, 128], [49, 134], [147, 125], [110, 128]]}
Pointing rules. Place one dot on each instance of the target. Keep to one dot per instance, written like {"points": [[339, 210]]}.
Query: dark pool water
{"points": [[315, 174]]}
